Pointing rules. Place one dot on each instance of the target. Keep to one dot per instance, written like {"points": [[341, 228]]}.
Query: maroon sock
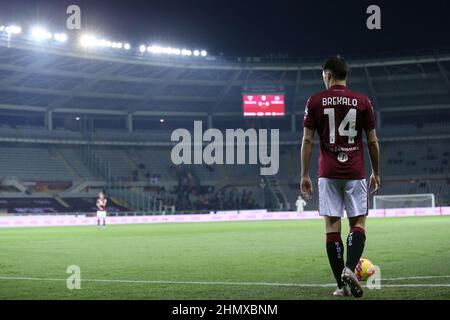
{"points": [[335, 252], [355, 246]]}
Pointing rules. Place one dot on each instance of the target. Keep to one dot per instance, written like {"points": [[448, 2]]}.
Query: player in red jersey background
{"points": [[340, 115], [101, 209]]}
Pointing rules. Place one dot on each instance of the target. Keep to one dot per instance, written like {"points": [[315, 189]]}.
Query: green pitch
{"points": [[222, 260]]}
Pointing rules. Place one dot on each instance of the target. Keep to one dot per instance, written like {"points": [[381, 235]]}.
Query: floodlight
{"points": [[39, 34], [88, 41], [60, 37], [156, 49], [13, 29], [101, 43]]}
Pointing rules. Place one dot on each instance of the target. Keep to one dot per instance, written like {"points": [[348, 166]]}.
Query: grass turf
{"points": [[290, 252]]}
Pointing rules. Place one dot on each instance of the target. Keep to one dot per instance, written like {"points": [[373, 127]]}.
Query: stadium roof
{"points": [[37, 77]]}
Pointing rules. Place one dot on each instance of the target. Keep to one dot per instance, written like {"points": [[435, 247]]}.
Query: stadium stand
{"points": [[33, 164], [53, 104], [31, 205]]}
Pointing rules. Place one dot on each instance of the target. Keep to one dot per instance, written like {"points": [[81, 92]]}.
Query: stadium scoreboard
{"points": [[263, 105]]}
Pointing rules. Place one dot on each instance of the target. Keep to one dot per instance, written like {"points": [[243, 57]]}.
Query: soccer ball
{"points": [[364, 269]]}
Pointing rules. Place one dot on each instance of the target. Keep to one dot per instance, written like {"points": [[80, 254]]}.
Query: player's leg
{"points": [[331, 207], [335, 248], [356, 205], [356, 241], [355, 247]]}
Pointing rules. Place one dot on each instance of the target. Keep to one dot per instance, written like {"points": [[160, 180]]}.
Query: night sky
{"points": [[250, 28]]}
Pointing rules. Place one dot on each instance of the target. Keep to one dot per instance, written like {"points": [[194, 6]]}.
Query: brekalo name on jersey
{"points": [[339, 101]]}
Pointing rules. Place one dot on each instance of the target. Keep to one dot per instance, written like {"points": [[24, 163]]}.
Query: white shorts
{"points": [[101, 214], [337, 194]]}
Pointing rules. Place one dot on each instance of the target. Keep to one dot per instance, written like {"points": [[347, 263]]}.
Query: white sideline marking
{"points": [[272, 284], [417, 285], [415, 278]]}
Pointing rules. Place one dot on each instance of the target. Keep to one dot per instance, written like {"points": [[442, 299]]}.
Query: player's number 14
{"points": [[349, 121]]}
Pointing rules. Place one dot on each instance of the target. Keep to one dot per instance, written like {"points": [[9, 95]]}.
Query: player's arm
{"points": [[99, 207], [374, 153], [306, 152], [372, 144]]}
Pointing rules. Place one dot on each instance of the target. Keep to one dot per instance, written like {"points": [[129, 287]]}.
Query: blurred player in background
{"points": [[300, 204], [101, 209], [339, 116]]}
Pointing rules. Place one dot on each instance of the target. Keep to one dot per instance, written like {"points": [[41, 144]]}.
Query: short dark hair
{"points": [[337, 66]]}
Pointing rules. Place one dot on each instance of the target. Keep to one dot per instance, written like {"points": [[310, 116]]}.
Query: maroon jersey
{"points": [[340, 115], [101, 204]]}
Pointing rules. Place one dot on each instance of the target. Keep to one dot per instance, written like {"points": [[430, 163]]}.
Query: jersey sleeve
{"points": [[308, 119], [369, 116]]}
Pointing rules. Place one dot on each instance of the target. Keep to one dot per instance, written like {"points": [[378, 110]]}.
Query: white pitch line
{"points": [[415, 278], [416, 285], [273, 284], [226, 283]]}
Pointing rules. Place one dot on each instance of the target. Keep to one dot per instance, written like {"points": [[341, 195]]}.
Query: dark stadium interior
{"points": [[99, 122], [252, 28], [223, 157], [77, 120]]}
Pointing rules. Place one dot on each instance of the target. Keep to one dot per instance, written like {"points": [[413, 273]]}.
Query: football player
{"points": [[101, 209], [340, 116]]}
